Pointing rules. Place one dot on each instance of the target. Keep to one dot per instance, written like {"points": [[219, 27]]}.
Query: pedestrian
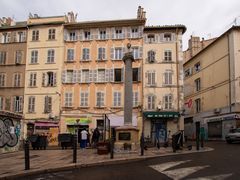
{"points": [[95, 137], [84, 135]]}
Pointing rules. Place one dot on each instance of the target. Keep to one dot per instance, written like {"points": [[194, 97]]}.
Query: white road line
{"points": [[217, 177], [164, 166], [180, 173]]}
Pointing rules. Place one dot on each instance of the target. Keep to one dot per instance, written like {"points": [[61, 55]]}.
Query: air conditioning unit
{"points": [[217, 110]]}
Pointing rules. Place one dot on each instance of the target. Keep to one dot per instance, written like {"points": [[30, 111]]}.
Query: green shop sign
{"points": [[154, 114], [75, 121]]}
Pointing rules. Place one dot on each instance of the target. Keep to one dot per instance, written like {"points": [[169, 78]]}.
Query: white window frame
{"points": [[168, 55], [118, 53], [2, 79], [18, 56], [101, 53], [134, 32], [1, 103], [198, 105], [85, 54], [151, 102], [17, 80], [197, 84], [100, 99], [101, 77], [168, 77], [85, 76], [118, 33], [87, 35], [3, 57], [17, 103], [35, 35], [34, 57], [72, 36], [117, 99], [51, 34], [135, 98], [70, 54], [68, 99], [51, 56], [168, 101], [32, 79], [47, 104], [102, 34], [31, 104], [151, 78], [84, 99]]}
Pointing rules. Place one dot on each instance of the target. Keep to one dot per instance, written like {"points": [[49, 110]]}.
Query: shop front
{"points": [[77, 124], [159, 126]]}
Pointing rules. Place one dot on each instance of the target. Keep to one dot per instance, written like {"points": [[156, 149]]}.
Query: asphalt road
{"points": [[222, 163]]}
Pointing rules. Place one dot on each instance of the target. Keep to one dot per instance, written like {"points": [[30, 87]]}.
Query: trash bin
{"points": [[38, 142], [42, 142], [34, 141], [66, 140]]}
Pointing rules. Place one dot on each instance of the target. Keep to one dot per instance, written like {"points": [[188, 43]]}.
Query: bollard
{"points": [[26, 153], [111, 148], [74, 149], [197, 134], [174, 143], [142, 144], [202, 140]]}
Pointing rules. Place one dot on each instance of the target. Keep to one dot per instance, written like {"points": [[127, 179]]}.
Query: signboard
{"points": [[161, 114], [75, 121], [124, 136]]}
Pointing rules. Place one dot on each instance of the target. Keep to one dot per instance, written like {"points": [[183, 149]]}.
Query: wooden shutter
{"points": [[65, 35], [140, 52], [106, 75], [44, 78], [128, 32], [74, 76], [139, 74], [95, 75], [140, 31], [173, 36], [14, 100], [81, 35], [90, 75], [111, 75], [112, 53], [79, 76], [122, 74], [107, 33], [113, 33], [54, 79], [161, 38], [24, 36], [46, 104], [20, 103], [64, 76]]}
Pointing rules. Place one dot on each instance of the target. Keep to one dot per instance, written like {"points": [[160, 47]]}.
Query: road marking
{"points": [[217, 177], [180, 173], [164, 166]]}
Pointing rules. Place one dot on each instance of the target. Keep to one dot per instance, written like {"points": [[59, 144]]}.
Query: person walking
{"points": [[95, 137], [84, 135]]}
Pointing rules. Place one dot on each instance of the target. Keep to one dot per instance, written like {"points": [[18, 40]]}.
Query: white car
{"points": [[233, 136]]}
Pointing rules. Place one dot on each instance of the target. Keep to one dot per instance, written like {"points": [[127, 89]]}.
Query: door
{"points": [[161, 132]]}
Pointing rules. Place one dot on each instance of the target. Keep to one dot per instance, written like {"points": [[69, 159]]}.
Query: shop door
{"points": [[215, 129], [161, 132]]}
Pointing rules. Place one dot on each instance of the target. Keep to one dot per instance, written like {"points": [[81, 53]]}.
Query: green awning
{"points": [[154, 114]]}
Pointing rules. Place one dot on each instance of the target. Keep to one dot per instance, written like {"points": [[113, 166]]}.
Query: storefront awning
{"points": [[77, 121], [155, 114], [45, 124]]}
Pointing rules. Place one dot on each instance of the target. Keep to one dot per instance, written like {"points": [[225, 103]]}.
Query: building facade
{"points": [[42, 96], [162, 81], [211, 87], [93, 73]]}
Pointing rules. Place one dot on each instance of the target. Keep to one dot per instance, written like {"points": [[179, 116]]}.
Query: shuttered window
{"points": [[151, 102], [117, 99], [84, 99], [47, 104], [68, 98], [31, 104]]}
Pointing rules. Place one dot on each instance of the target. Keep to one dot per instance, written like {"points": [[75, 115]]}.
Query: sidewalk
{"points": [[42, 161]]}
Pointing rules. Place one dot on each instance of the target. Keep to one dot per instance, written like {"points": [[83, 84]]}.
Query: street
{"points": [[222, 163]]}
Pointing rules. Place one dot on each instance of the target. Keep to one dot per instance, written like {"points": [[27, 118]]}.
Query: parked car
{"points": [[233, 136]]}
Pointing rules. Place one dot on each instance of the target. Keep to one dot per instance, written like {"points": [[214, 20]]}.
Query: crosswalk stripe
{"points": [[217, 177], [180, 173], [162, 167]]}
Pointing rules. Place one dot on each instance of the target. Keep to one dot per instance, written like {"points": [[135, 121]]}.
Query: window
{"points": [[136, 52], [118, 33], [3, 57], [151, 102], [70, 54], [51, 34], [151, 79], [87, 35], [118, 54], [6, 38], [1, 103], [102, 34], [100, 99], [135, 99], [101, 75], [86, 54], [49, 79], [85, 76], [167, 37], [151, 56], [69, 76], [47, 104], [2, 79], [167, 55], [21, 36], [68, 99], [17, 80], [168, 77], [17, 103], [50, 57], [198, 84], [134, 32], [117, 99], [18, 57], [188, 72], [101, 53], [33, 80], [31, 104], [118, 75], [34, 57], [72, 36], [151, 38], [35, 35], [168, 101], [198, 105], [197, 67], [136, 72], [84, 99]]}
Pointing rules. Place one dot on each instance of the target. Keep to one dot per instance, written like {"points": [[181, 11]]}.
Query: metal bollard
{"points": [[26, 154], [74, 149], [142, 144], [202, 140], [111, 148], [174, 141]]}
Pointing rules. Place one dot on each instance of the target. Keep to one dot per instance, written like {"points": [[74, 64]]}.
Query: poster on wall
{"points": [[53, 136]]}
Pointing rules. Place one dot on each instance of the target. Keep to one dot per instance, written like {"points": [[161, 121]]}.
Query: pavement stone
{"points": [[55, 159]]}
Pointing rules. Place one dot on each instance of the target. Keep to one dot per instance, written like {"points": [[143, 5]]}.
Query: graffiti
{"points": [[8, 135]]}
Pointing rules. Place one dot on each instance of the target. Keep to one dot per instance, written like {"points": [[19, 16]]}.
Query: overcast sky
{"points": [[204, 18]]}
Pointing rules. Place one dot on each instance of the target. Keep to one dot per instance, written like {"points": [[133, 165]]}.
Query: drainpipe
{"points": [[229, 74], [177, 72]]}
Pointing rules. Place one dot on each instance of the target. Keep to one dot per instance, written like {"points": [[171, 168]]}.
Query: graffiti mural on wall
{"points": [[8, 133]]}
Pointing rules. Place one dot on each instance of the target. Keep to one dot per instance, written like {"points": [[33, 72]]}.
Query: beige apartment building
{"points": [[212, 88], [93, 73], [42, 96], [162, 81], [13, 48]]}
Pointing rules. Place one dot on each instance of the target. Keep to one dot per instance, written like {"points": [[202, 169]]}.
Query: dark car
{"points": [[233, 136]]}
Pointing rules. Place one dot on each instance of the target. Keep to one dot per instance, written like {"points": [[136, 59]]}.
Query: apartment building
{"points": [[13, 48], [45, 52], [162, 81], [93, 72], [212, 88]]}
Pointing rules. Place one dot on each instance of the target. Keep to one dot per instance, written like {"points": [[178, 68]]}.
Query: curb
{"points": [[99, 163]]}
